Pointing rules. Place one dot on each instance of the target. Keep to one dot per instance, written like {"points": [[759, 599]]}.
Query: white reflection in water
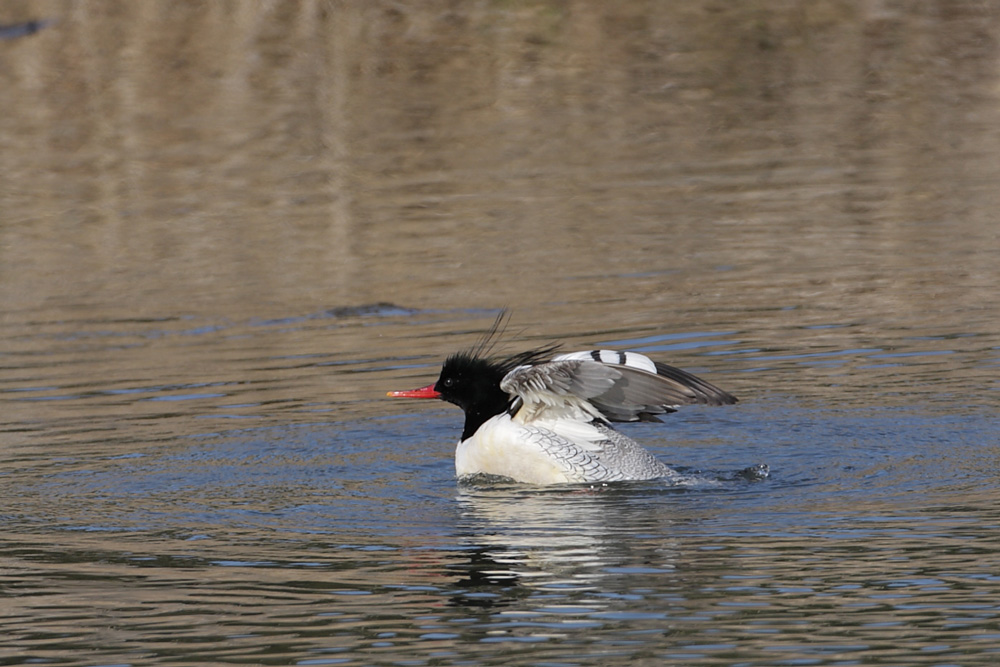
{"points": [[570, 538]]}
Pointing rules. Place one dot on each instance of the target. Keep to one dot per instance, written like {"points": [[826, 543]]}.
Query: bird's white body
{"points": [[554, 452], [506, 448]]}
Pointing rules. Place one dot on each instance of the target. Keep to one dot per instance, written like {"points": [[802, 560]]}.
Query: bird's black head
{"points": [[471, 379], [472, 383]]}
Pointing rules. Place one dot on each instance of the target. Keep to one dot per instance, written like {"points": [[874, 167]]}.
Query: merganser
{"points": [[542, 420]]}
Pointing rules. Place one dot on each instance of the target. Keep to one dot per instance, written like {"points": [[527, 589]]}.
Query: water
{"points": [[227, 231]]}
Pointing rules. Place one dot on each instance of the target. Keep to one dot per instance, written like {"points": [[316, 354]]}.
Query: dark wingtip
{"points": [[706, 393]]}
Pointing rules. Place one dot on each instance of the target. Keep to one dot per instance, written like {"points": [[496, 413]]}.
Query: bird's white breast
{"points": [[505, 447]]}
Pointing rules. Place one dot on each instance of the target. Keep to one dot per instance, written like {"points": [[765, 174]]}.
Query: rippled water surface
{"points": [[227, 229]]}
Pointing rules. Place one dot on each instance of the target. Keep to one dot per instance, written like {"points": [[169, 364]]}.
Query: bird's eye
{"points": [[447, 382]]}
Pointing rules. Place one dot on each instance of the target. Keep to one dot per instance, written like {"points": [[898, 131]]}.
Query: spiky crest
{"points": [[471, 379]]}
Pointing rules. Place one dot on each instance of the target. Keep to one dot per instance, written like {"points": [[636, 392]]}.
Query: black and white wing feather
{"points": [[618, 386]]}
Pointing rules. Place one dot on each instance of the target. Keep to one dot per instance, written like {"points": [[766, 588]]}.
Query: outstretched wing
{"points": [[620, 386]]}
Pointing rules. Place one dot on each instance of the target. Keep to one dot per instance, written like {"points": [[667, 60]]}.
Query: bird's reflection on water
{"points": [[525, 539]]}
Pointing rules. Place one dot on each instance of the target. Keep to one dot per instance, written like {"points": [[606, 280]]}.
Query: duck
{"points": [[538, 417]]}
